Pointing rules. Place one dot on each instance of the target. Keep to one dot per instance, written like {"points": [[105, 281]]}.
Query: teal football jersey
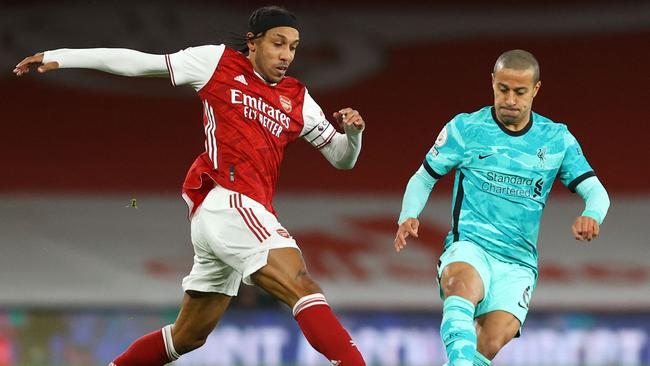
{"points": [[503, 179]]}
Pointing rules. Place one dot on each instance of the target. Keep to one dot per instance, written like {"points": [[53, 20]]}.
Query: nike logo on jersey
{"points": [[481, 157], [241, 79]]}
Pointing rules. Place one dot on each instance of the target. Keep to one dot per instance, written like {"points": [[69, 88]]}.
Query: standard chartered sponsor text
{"points": [[517, 181]]}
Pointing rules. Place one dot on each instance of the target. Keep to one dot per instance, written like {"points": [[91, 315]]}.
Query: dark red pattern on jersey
{"points": [[248, 153]]}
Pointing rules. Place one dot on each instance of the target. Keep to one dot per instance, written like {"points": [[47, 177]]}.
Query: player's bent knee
{"points": [[458, 287], [461, 279], [287, 287]]}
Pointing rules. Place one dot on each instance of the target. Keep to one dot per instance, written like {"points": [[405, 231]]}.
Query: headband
{"points": [[272, 21]]}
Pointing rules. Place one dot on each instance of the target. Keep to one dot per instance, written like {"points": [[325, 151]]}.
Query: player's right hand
{"points": [[348, 117], [408, 227], [585, 228], [37, 59]]}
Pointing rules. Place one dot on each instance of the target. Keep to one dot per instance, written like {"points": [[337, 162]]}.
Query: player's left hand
{"points": [[36, 60], [408, 227], [349, 118], [585, 228]]}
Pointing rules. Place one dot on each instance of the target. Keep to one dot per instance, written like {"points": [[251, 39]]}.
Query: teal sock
{"points": [[457, 331], [480, 360]]}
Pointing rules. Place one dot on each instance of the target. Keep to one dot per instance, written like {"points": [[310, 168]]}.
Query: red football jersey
{"points": [[247, 122]]}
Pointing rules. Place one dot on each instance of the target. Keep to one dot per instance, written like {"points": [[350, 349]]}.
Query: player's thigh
{"points": [[510, 291], [285, 276], [494, 330], [462, 271], [209, 274], [199, 314], [239, 231]]}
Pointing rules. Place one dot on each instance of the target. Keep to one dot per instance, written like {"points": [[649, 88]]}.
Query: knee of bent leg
{"points": [[453, 285], [459, 286], [464, 283]]}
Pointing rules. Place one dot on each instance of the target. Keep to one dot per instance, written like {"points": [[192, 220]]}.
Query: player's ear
{"points": [[250, 41], [536, 88]]}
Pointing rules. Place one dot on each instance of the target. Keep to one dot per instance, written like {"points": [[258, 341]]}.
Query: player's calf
{"points": [[153, 349], [200, 312], [285, 277], [457, 330], [490, 345], [495, 329], [324, 332]]}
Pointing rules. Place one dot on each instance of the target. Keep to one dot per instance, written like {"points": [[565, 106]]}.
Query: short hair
{"points": [[518, 60]]}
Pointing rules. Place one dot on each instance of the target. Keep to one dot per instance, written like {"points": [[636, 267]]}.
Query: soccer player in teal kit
{"points": [[506, 159]]}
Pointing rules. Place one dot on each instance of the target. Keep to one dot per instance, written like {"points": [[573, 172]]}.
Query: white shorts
{"points": [[232, 235]]}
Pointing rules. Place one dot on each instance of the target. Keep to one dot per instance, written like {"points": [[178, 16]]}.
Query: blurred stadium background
{"points": [[82, 273]]}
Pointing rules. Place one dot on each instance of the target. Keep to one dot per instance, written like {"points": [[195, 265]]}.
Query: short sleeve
{"points": [[194, 65], [446, 152], [574, 168], [317, 130]]}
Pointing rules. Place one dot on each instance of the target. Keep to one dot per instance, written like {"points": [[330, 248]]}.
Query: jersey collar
{"points": [[261, 78], [507, 131]]}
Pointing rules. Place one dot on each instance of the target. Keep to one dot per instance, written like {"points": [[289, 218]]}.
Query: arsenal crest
{"points": [[283, 233], [286, 103]]}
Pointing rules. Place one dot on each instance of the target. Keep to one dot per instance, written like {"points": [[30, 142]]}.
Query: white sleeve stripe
{"points": [[171, 70], [207, 128], [210, 129], [213, 141], [214, 138], [327, 140]]}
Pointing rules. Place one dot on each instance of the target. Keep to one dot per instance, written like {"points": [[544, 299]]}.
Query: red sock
{"points": [[324, 332], [153, 349]]}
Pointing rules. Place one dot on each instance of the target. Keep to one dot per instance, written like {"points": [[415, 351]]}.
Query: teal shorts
{"points": [[507, 286]]}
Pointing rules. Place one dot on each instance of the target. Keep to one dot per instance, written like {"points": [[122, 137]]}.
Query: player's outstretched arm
{"points": [[415, 198], [344, 149], [119, 61], [587, 225]]}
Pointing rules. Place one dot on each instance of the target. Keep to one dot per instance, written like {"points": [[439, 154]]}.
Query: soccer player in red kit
{"points": [[251, 111]]}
